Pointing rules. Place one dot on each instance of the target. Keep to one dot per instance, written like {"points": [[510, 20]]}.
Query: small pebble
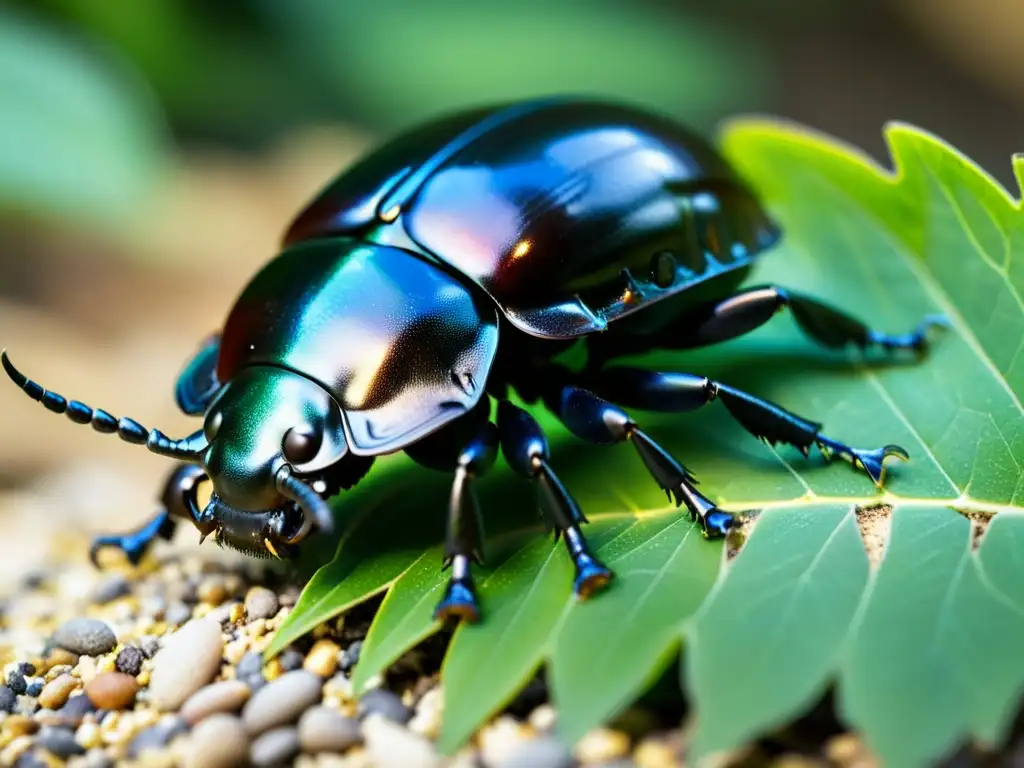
{"points": [[223, 696], [219, 741], [212, 591], [260, 603], [189, 659], [60, 741], [55, 693], [350, 656], [541, 752], [27, 668], [177, 614], [391, 746], [96, 758], [129, 660], [77, 707], [16, 682], [34, 688], [61, 657], [86, 637], [149, 646], [281, 701], [157, 736], [26, 705], [275, 747], [322, 659], [7, 699], [322, 729], [112, 690], [250, 665], [602, 745], [380, 701], [290, 661], [109, 590]]}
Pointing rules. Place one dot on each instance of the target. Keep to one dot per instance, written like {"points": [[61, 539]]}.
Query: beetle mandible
{"points": [[450, 267]]}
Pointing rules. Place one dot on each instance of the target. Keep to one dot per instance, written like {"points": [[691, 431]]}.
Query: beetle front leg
{"points": [[464, 538], [176, 500], [651, 390], [526, 449]]}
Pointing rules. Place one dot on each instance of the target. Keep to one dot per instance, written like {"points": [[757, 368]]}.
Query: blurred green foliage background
{"points": [[152, 152]]}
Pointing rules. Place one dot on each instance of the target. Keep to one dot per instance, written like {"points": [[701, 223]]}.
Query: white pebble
{"points": [[392, 746], [189, 659]]}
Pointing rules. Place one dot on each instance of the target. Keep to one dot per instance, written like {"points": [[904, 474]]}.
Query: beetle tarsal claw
{"points": [[871, 461]]}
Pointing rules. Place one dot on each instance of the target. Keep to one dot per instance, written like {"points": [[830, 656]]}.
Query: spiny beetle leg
{"points": [[526, 449], [176, 499], [743, 312], [767, 421], [464, 539], [596, 420]]}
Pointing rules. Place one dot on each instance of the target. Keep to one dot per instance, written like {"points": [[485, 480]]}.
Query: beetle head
{"points": [[271, 433], [273, 445]]}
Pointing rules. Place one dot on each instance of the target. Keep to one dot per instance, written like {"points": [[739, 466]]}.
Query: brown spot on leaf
{"points": [[738, 535], [979, 524], [874, 524]]}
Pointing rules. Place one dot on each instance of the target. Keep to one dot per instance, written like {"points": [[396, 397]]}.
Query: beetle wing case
{"points": [[402, 346]]}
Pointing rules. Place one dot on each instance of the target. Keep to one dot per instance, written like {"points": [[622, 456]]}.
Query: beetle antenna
{"points": [[190, 448], [313, 507]]}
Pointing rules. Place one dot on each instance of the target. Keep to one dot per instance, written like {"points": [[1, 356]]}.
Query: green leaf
{"points": [[893, 595], [797, 586], [81, 137]]}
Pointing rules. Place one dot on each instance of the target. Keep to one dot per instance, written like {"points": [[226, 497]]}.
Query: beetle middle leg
{"points": [[178, 488], [660, 391], [526, 449]]}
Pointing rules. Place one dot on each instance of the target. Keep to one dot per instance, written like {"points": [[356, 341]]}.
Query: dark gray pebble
{"points": [[27, 668], [16, 682], [290, 660], [30, 760], [7, 699], [177, 613], [275, 747], [249, 665], [149, 645], [60, 741], [34, 689], [255, 682], [86, 637], [156, 736], [129, 660], [382, 702], [77, 707], [110, 589], [350, 656]]}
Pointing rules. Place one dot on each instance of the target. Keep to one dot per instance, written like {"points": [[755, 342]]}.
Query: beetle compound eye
{"points": [[302, 444], [212, 426], [663, 269]]}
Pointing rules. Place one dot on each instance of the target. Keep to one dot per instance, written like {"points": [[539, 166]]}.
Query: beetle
{"points": [[452, 267]]}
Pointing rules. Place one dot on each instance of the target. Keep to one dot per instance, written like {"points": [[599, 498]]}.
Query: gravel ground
{"points": [[162, 666]]}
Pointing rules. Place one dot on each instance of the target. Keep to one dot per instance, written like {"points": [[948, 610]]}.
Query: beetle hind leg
{"points": [[833, 328]]}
